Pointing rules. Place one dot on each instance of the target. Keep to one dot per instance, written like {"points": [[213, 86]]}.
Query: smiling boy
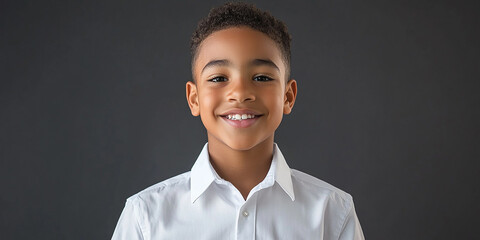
{"points": [[240, 186]]}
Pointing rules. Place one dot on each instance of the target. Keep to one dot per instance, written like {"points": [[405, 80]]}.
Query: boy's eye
{"points": [[218, 79], [262, 78]]}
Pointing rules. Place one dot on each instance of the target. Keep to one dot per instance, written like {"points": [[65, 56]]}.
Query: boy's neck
{"points": [[243, 168]]}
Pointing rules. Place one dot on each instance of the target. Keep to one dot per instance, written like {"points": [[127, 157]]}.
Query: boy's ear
{"points": [[192, 98], [290, 96]]}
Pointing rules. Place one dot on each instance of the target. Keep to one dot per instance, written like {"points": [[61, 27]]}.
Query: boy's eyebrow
{"points": [[220, 62], [255, 62], [268, 62]]}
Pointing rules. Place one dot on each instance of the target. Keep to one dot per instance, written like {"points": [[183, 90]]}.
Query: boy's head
{"points": [[240, 67], [237, 15]]}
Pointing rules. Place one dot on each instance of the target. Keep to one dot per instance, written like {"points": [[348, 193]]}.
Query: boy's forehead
{"points": [[238, 44]]}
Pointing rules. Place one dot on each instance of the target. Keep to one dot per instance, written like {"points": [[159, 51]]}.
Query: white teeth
{"points": [[239, 117]]}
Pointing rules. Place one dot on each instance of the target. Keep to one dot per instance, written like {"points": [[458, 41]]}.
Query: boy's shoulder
{"points": [[176, 183], [313, 185]]}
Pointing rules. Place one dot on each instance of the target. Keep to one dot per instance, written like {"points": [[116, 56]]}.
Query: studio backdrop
{"points": [[93, 110]]}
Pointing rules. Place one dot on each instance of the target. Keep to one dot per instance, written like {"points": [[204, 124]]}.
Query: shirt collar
{"points": [[282, 172], [203, 174]]}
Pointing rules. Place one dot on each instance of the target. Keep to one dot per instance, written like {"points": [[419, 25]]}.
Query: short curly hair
{"points": [[235, 14]]}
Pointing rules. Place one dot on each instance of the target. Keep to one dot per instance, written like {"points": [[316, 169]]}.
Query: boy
{"points": [[240, 186]]}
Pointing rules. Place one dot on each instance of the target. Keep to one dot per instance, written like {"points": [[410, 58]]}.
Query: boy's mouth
{"points": [[241, 118], [241, 121]]}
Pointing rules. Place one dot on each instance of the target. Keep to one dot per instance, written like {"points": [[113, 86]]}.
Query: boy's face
{"points": [[240, 73]]}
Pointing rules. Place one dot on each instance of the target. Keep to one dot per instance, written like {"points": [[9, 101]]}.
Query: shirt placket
{"points": [[246, 219]]}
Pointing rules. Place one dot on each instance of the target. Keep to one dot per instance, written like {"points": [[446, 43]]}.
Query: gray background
{"points": [[92, 110]]}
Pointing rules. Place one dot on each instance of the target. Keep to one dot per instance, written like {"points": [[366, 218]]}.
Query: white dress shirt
{"points": [[287, 204]]}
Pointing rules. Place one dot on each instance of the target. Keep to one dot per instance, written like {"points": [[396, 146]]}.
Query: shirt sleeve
{"points": [[351, 228], [128, 227]]}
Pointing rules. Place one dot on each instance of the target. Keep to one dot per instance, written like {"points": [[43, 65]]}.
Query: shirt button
{"points": [[245, 213]]}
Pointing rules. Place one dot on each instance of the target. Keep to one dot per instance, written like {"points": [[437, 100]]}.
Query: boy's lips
{"points": [[241, 118], [240, 111]]}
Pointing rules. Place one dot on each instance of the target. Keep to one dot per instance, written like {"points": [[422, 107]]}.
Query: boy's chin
{"points": [[242, 146], [245, 144]]}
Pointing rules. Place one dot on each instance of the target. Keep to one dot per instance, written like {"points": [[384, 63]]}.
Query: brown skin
{"points": [[240, 82]]}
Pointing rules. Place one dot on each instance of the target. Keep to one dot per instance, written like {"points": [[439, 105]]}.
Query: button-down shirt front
{"points": [[199, 204]]}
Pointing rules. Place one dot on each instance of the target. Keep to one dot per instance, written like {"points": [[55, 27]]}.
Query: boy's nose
{"points": [[241, 91]]}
